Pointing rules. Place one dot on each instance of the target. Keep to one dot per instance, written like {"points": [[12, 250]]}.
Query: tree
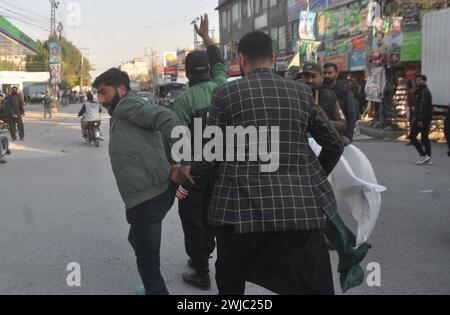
{"points": [[71, 63]]}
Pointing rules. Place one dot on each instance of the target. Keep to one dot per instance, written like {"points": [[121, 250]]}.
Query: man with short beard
{"points": [[347, 100], [139, 148]]}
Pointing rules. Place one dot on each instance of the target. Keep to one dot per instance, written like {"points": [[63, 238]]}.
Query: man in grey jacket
{"points": [[140, 146]]}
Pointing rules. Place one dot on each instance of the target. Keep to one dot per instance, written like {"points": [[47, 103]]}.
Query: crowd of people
{"points": [[273, 229], [268, 228]]}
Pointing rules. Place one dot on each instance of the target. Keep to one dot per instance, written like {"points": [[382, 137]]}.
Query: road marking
{"points": [[426, 192]]}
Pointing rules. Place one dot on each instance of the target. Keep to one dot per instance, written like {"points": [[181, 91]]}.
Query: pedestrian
{"points": [[269, 226], [14, 106], [90, 112], [423, 108], [347, 100], [205, 71], [447, 129], [340, 237], [312, 75], [47, 106], [139, 148]]}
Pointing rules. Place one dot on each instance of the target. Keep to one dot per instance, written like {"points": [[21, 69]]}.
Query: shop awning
{"points": [[13, 41]]}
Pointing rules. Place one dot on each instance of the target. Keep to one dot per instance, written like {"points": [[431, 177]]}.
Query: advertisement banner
{"points": [[338, 47], [234, 68], [171, 71], [412, 46], [55, 73], [410, 11], [359, 42], [55, 53], [296, 6], [308, 51], [376, 84], [307, 25], [358, 60], [170, 59], [394, 36], [340, 60]]}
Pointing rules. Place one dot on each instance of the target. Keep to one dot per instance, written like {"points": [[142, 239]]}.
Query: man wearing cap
{"points": [[348, 102], [312, 75], [14, 107], [206, 72], [338, 234]]}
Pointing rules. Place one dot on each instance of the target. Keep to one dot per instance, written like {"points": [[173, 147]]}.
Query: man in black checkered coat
{"points": [[270, 223]]}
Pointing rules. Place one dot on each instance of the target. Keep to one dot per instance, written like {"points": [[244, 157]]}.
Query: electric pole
{"points": [[53, 37], [82, 67], [54, 7], [194, 22]]}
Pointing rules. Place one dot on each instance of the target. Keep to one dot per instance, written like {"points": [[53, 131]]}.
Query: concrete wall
{"points": [[22, 78]]}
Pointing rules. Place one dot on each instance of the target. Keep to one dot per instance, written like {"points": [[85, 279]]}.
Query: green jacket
{"points": [[139, 148], [200, 95]]}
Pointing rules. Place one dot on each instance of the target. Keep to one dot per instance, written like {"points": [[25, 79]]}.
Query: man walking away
{"points": [[206, 71], [15, 111], [47, 106], [140, 141], [347, 100], [423, 103], [90, 112], [270, 225]]}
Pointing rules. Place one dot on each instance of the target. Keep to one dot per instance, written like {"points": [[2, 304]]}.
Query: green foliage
{"points": [[71, 63], [7, 66]]}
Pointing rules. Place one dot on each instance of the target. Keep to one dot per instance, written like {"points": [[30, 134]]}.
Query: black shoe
{"points": [[448, 153], [198, 280], [409, 144]]}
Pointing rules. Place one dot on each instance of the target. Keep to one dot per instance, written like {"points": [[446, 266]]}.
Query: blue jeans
{"points": [[145, 238]]}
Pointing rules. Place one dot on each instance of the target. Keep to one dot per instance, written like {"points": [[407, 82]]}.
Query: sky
{"points": [[111, 31]]}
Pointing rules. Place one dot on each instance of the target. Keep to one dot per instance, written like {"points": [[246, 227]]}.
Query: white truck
{"points": [[436, 56]]}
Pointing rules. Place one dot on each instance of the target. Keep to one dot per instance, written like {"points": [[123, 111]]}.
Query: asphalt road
{"points": [[59, 204]]}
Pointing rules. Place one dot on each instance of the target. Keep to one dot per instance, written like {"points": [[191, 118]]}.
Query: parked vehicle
{"points": [[435, 61], [167, 93]]}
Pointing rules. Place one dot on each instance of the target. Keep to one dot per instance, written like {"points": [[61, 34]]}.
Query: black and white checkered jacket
{"points": [[298, 195]]}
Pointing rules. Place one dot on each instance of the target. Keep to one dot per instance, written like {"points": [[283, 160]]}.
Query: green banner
{"points": [[9, 29], [412, 46]]}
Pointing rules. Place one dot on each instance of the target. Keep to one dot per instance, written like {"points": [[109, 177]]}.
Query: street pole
{"points": [[53, 36], [82, 67], [195, 33]]}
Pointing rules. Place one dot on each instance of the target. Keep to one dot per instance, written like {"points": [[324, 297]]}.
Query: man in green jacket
{"points": [[206, 71], [139, 148]]}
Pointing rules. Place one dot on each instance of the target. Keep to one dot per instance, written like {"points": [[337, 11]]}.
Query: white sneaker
{"points": [[423, 160]]}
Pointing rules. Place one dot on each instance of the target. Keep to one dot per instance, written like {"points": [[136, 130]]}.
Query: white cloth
{"points": [[356, 188], [92, 112]]}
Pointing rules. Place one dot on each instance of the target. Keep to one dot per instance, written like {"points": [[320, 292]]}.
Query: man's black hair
{"points": [[256, 45], [113, 77], [423, 77], [331, 65], [89, 96]]}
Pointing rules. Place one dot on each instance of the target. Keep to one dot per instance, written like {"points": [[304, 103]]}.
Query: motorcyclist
{"points": [[90, 112]]}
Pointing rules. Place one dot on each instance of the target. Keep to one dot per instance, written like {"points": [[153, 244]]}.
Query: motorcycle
{"points": [[93, 133]]}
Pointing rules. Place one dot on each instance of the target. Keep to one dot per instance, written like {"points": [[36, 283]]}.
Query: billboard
{"points": [[170, 59], [55, 53], [307, 25]]}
